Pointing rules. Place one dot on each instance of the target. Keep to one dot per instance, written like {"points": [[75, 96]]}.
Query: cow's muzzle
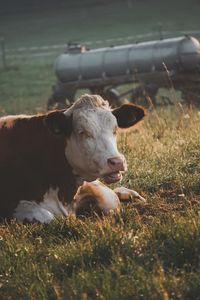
{"points": [[116, 165]]}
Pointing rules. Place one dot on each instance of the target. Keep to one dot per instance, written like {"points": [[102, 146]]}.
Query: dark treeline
{"points": [[25, 6], [21, 6]]}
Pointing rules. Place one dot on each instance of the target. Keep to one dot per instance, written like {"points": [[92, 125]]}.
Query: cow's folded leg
{"points": [[30, 211], [125, 194], [95, 197]]}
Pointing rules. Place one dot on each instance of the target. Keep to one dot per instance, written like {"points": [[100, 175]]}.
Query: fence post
{"points": [[3, 52], [160, 31]]}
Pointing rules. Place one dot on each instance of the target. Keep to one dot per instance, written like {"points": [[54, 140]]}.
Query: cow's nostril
{"points": [[111, 161], [116, 163]]}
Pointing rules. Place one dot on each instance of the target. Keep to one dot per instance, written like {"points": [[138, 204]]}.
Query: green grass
{"points": [[144, 252], [26, 87]]}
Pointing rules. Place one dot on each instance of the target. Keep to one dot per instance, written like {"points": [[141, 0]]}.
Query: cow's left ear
{"points": [[128, 115], [59, 123]]}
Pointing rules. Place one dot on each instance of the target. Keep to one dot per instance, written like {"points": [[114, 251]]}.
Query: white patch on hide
{"points": [[52, 203], [92, 142], [43, 212], [30, 211]]}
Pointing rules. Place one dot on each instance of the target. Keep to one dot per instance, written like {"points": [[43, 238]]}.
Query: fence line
{"points": [[3, 52], [48, 50]]}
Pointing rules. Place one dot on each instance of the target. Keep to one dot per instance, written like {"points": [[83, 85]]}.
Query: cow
{"points": [[51, 163]]}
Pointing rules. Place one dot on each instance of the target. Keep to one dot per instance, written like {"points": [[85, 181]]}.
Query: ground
{"points": [[144, 252]]}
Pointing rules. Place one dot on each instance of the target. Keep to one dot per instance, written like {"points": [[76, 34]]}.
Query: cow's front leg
{"points": [[95, 197], [125, 194]]}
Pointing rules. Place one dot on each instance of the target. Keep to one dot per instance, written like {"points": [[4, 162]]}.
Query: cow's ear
{"points": [[59, 123], [128, 115]]}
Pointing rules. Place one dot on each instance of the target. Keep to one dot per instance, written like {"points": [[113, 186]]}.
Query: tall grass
{"points": [[145, 251]]}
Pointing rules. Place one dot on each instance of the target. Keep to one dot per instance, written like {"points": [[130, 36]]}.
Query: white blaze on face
{"points": [[92, 142], [89, 127], [44, 211]]}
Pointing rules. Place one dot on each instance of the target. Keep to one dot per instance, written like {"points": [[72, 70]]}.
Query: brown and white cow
{"points": [[46, 159]]}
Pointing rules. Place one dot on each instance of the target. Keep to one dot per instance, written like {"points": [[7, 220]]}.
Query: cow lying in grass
{"points": [[45, 159]]}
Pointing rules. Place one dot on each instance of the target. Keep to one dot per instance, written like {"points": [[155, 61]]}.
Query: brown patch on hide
{"points": [[32, 160]]}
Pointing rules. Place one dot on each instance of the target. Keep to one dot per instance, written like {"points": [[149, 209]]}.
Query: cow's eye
{"points": [[84, 133], [81, 132]]}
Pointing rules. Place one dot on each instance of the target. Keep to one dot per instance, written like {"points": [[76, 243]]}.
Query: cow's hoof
{"points": [[125, 195]]}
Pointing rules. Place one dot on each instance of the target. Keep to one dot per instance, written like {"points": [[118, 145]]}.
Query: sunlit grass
{"points": [[145, 252]]}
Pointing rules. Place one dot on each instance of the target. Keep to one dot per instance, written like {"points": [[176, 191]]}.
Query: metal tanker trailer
{"points": [[166, 63]]}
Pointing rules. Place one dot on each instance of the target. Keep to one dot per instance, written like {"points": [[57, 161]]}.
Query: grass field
{"points": [[147, 251]]}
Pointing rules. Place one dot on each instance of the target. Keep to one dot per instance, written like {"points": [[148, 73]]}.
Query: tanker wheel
{"points": [[144, 96], [53, 103], [113, 97], [191, 96], [60, 97], [143, 100]]}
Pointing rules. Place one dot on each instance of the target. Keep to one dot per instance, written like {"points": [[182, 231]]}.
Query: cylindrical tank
{"points": [[182, 53]]}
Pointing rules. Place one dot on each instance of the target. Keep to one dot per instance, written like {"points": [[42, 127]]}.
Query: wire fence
{"points": [[40, 52]]}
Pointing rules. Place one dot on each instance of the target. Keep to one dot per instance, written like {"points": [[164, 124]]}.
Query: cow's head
{"points": [[90, 128]]}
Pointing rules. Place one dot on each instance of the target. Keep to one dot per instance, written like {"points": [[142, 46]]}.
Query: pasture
{"points": [[146, 251]]}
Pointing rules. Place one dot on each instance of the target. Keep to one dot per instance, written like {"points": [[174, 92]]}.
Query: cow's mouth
{"points": [[112, 177]]}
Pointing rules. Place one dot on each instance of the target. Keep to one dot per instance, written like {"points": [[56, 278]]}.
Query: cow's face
{"points": [[90, 127], [92, 148]]}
